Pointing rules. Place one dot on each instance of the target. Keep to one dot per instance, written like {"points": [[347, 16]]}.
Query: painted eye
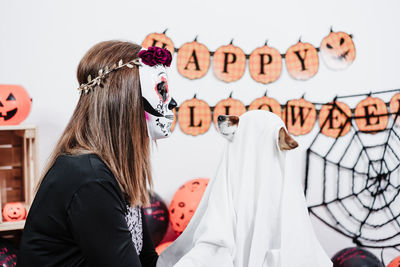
{"points": [[162, 90], [341, 41], [10, 97], [329, 46]]}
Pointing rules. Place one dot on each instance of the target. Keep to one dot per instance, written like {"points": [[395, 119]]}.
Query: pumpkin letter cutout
{"points": [[266, 103], [302, 61], [14, 211], [15, 104], [334, 119], [160, 40], [265, 64], [194, 117], [369, 115], [229, 63], [395, 107], [228, 106], [193, 60], [299, 116], [338, 50], [185, 202]]}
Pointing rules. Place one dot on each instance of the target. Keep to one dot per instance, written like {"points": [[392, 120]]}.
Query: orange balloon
{"points": [[185, 202], [395, 262], [160, 248], [15, 104], [14, 211]]}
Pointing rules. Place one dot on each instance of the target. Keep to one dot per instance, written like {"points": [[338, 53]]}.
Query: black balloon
{"points": [[355, 257], [157, 218], [8, 254]]}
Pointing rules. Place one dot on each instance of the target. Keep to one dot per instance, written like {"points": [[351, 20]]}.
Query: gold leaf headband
{"points": [[86, 87]]}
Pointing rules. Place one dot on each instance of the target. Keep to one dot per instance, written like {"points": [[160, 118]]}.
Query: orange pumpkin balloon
{"points": [[395, 107], [338, 50], [371, 115], [334, 119], [193, 60], [229, 63], [160, 248], [266, 103], [15, 104], [185, 202], [302, 61], [395, 262], [194, 117], [265, 64], [159, 40], [228, 106], [299, 116], [14, 211]]}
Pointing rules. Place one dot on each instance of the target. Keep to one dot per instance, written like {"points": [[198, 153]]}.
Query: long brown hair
{"points": [[109, 121]]}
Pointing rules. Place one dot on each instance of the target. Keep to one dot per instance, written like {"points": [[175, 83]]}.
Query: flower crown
{"points": [[151, 57]]}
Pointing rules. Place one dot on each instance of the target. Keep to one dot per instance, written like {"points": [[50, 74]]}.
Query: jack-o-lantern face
{"points": [[14, 211], [194, 117], [160, 40], [302, 61], [265, 64], [338, 50], [299, 116], [228, 106], [15, 104], [193, 60], [185, 202], [229, 63], [266, 103], [371, 115], [334, 119]]}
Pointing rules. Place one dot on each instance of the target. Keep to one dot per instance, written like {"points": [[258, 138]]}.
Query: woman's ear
{"points": [[286, 142], [227, 126]]}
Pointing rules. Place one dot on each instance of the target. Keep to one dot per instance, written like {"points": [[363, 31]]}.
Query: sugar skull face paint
{"points": [[157, 100]]}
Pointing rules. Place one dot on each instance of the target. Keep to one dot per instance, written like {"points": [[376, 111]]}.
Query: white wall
{"points": [[41, 43]]}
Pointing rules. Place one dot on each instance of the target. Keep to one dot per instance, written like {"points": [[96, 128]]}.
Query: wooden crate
{"points": [[18, 168]]}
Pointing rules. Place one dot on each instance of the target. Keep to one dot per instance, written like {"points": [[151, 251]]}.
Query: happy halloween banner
{"points": [[371, 114], [265, 63]]}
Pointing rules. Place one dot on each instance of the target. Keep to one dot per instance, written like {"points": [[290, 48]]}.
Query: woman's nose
{"points": [[172, 104]]}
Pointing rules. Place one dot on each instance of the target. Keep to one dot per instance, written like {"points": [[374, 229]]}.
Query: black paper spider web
{"points": [[352, 183]]}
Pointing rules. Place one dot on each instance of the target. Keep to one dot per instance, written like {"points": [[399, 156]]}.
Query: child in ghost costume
{"points": [[251, 213]]}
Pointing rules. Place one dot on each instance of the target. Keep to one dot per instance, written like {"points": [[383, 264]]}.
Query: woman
{"points": [[87, 208]]}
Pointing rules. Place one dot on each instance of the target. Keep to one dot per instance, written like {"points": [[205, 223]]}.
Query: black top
{"points": [[78, 219]]}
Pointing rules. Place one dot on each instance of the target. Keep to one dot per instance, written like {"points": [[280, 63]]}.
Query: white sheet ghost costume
{"points": [[251, 213]]}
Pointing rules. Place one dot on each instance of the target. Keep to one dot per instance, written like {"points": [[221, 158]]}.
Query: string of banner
{"points": [[265, 63], [371, 114]]}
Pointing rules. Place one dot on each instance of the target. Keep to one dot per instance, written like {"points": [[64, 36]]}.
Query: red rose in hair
{"points": [[155, 56]]}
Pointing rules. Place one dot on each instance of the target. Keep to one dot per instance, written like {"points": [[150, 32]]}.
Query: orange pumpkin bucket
{"points": [[15, 104], [14, 211]]}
